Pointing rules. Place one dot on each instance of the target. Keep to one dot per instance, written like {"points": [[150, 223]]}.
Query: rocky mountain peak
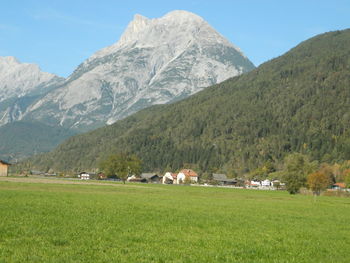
{"points": [[17, 79], [133, 29], [8, 60], [181, 16], [176, 29]]}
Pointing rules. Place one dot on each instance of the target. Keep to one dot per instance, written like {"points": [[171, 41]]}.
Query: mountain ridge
{"points": [[155, 61]]}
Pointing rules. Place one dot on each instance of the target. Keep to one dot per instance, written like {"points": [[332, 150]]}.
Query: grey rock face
{"points": [[20, 84]]}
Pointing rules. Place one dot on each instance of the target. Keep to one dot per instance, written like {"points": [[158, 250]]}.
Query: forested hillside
{"points": [[297, 102], [20, 139]]}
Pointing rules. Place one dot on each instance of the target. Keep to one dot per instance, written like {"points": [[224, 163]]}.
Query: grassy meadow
{"points": [[54, 222]]}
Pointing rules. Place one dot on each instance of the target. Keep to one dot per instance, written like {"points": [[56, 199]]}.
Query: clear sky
{"points": [[59, 34]]}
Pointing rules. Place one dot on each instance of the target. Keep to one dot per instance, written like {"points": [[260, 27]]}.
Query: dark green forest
{"points": [[299, 102]]}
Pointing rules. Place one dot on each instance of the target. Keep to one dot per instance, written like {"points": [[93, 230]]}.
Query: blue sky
{"points": [[59, 34]]}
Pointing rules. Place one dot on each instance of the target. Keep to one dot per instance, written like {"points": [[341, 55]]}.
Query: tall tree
{"points": [[329, 171], [296, 168], [121, 165], [318, 182]]}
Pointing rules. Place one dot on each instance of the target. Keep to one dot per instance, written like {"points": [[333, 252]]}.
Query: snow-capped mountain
{"points": [[155, 61], [19, 83]]}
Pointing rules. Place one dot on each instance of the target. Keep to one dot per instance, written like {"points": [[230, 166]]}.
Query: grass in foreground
{"points": [[155, 223]]}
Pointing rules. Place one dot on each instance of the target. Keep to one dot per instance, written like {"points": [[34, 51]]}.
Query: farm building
{"points": [[135, 179], [151, 177], [187, 173], [178, 178], [84, 176], [169, 178], [93, 176], [4, 168], [277, 184], [101, 176], [266, 183], [223, 180]]}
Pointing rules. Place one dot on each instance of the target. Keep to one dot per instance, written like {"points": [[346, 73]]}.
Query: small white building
{"points": [[180, 178], [168, 178], [130, 178], [174, 178], [266, 183], [84, 176], [277, 183]]}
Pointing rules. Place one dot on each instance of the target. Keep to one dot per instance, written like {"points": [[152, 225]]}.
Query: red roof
{"points": [[340, 185], [189, 172]]}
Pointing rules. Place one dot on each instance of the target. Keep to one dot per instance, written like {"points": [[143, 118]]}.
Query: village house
{"points": [[101, 176], [266, 183], [338, 186], [252, 184], [187, 173], [134, 179], [84, 176], [91, 176], [169, 178], [222, 179], [4, 168], [277, 184], [151, 177], [178, 178]]}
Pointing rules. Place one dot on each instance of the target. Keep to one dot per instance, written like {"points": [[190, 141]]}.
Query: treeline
{"points": [[299, 102]]}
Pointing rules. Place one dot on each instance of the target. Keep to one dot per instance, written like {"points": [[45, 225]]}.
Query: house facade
{"points": [[266, 183], [151, 177], [222, 179], [169, 178], [4, 168], [84, 176], [178, 178], [188, 173]]}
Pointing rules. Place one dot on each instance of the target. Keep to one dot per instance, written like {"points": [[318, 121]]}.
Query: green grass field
{"points": [[156, 223]]}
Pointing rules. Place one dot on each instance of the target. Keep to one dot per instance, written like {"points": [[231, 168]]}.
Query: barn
{"points": [[4, 168]]}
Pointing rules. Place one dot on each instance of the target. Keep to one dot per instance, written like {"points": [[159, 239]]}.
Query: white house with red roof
{"points": [[187, 173], [178, 178]]}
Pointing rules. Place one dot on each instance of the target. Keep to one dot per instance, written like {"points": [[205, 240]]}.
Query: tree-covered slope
{"points": [[297, 102], [20, 139]]}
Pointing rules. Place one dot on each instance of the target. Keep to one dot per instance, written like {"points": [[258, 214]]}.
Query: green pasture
{"points": [[157, 223]]}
